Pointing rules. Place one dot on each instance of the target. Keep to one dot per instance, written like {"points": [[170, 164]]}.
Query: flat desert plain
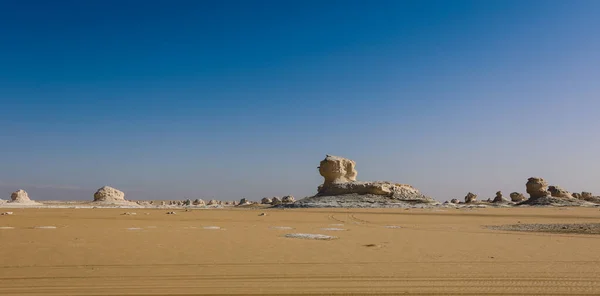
{"points": [[237, 251]]}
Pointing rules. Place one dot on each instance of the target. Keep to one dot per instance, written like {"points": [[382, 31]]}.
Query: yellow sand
{"points": [[441, 252]]}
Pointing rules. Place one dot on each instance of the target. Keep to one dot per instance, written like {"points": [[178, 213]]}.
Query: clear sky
{"points": [[231, 99]]}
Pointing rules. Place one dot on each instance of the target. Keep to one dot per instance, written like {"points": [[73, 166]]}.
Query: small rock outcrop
{"points": [[470, 197], [243, 202], [586, 195], [109, 194], [20, 196], [213, 202], [288, 199], [199, 202], [498, 197], [276, 201], [557, 191], [517, 197], [454, 201], [537, 187], [266, 201]]}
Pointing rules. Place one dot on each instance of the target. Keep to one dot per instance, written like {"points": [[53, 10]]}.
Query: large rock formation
{"points": [[244, 202], [340, 178], [341, 189], [517, 197], [109, 194], [537, 187], [470, 197], [556, 191], [199, 202], [21, 197], [266, 201]]}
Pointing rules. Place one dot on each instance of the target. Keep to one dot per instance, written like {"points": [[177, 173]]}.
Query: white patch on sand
{"points": [[392, 226], [282, 227], [310, 236], [333, 229], [6, 227], [212, 227], [133, 228], [336, 224], [45, 227]]}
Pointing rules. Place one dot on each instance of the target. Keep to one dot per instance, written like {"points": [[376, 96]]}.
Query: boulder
{"points": [[499, 197], [266, 201], [470, 197], [537, 187], [276, 201], [517, 197], [288, 199], [20, 196], [556, 191], [454, 201], [109, 194]]}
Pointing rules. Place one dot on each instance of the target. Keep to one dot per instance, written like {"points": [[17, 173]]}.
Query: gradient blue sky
{"points": [[231, 99]]}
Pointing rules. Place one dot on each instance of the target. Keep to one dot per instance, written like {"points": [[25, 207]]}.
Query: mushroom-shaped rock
{"points": [[517, 197], [276, 201], [557, 191], [288, 199], [109, 194], [266, 201], [20, 196], [498, 197], [537, 187], [454, 201], [470, 197], [337, 169]]}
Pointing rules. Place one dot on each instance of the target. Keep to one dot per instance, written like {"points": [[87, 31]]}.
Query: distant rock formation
{"points": [[517, 197], [288, 199], [109, 194], [340, 178], [199, 202], [470, 197], [20, 196], [266, 201], [454, 201], [498, 197], [244, 202], [341, 189], [276, 201], [213, 202], [537, 187], [586, 195], [556, 191]]}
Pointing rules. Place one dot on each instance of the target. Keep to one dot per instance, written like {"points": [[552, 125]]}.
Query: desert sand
{"points": [[238, 251]]}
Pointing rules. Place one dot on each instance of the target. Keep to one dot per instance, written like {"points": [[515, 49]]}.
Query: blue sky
{"points": [[231, 99]]}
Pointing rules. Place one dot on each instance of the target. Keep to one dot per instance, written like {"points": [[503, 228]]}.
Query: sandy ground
{"points": [[378, 252]]}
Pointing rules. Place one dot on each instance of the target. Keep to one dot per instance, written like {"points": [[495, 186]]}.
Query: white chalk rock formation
{"points": [[557, 191], [266, 201], [537, 187], [213, 202], [288, 199], [21, 197], [276, 201], [470, 197], [244, 202], [109, 194], [517, 197]]}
